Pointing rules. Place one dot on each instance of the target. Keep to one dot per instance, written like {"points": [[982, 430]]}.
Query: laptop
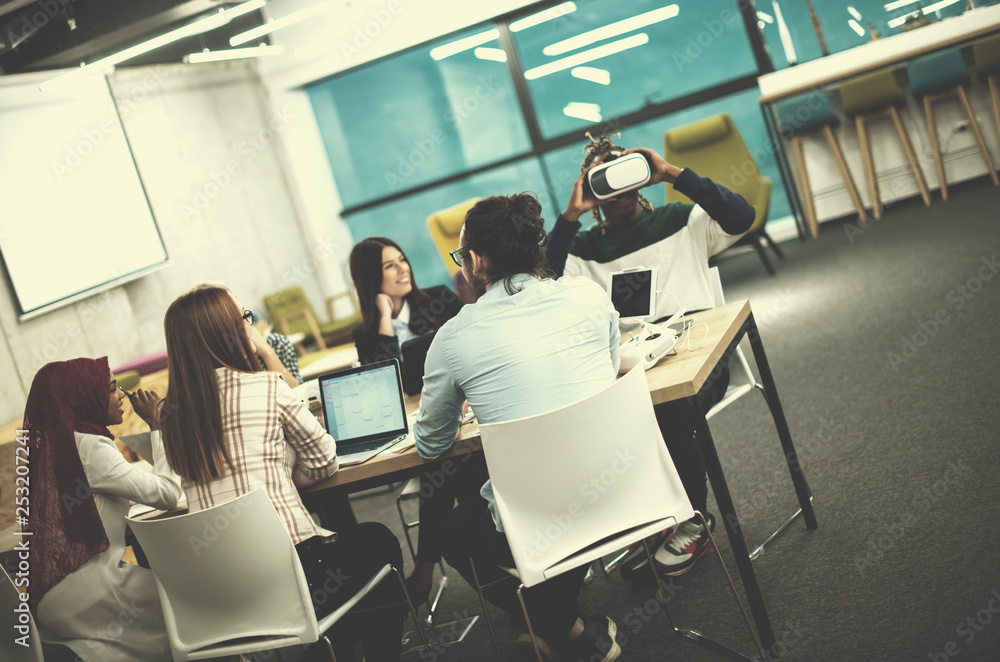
{"points": [[414, 353], [364, 410]]}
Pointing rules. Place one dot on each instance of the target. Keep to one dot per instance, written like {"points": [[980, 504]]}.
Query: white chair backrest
{"points": [[19, 641], [226, 572], [569, 478], [739, 369]]}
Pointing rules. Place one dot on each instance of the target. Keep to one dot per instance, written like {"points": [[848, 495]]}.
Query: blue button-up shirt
{"points": [[550, 344]]}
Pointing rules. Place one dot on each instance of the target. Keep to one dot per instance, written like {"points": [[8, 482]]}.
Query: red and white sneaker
{"points": [[688, 544]]}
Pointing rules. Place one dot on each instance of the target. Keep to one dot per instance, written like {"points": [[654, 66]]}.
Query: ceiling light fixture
{"points": [[494, 54], [234, 53], [203, 25], [542, 16], [593, 74], [929, 9], [464, 44], [856, 27], [767, 18], [587, 56], [611, 30], [854, 12], [590, 112], [278, 23]]}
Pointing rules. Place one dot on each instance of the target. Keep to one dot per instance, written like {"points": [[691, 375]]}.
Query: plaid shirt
{"points": [[269, 430], [285, 350]]}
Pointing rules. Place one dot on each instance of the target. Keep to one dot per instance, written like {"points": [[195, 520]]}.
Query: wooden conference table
{"points": [[681, 376]]}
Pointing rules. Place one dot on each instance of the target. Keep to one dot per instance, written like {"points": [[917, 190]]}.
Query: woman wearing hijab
{"points": [[81, 488]]}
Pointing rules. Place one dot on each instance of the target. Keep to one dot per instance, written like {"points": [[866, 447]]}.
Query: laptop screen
{"points": [[363, 404]]}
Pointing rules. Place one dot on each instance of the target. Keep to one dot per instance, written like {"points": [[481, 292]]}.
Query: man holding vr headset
{"points": [[676, 239]]}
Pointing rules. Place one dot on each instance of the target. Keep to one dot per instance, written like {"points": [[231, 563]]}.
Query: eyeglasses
{"points": [[456, 255], [249, 317]]}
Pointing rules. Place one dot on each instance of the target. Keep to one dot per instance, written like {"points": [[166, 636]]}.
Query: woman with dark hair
{"points": [[232, 428], [394, 310], [81, 489]]}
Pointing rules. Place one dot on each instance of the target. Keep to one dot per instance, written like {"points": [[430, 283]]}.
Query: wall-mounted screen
{"points": [[74, 218]]}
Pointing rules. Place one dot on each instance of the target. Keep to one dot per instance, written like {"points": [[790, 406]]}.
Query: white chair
{"points": [[230, 581], [538, 464], [10, 648], [741, 379], [411, 492], [741, 382]]}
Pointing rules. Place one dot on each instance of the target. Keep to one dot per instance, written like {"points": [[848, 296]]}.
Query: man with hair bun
{"points": [[508, 355]]}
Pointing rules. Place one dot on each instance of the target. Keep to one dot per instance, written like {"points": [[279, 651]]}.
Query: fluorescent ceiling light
{"points": [[611, 30], [447, 50], [856, 27], [929, 9], [854, 12], [495, 54], [283, 22], [767, 18], [542, 16], [590, 112], [234, 53], [900, 3], [784, 34], [587, 56], [593, 74], [198, 27]]}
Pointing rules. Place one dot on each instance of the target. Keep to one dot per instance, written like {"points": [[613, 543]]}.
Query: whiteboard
{"points": [[74, 218]]}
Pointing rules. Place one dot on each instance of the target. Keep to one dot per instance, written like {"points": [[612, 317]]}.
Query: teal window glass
{"points": [[792, 36], [414, 118], [593, 60], [405, 221], [563, 165]]}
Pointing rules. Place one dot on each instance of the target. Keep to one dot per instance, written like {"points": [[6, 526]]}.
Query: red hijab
{"points": [[67, 531]]}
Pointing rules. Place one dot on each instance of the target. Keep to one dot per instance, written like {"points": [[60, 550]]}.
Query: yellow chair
{"points": [[445, 227], [715, 149], [290, 312]]}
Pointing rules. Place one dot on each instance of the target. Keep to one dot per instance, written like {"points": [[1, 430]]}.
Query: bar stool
{"points": [[804, 116], [936, 77], [871, 97], [986, 53]]}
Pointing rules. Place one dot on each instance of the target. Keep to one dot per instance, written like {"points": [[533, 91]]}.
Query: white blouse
{"points": [[109, 611]]}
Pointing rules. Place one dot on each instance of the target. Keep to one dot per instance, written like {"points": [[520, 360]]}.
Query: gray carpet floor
{"points": [[883, 344]]}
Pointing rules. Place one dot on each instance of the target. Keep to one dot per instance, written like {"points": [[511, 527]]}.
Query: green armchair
{"points": [[715, 149], [290, 312]]}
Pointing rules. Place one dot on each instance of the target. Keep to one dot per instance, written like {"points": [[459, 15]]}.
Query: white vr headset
{"points": [[615, 177]]}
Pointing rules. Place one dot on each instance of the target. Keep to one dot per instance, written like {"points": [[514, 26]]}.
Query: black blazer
{"points": [[443, 305]]}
